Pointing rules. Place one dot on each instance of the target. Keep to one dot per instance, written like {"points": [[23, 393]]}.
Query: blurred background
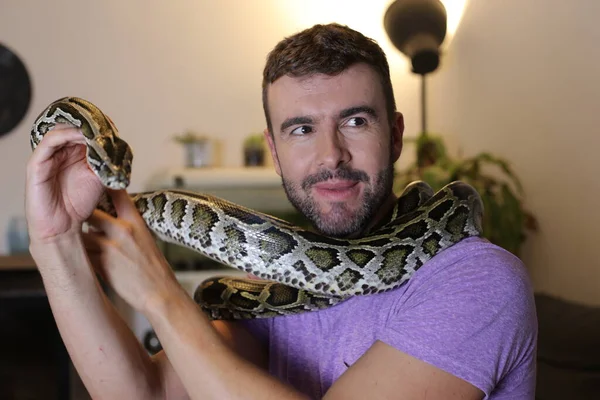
{"points": [[517, 78]]}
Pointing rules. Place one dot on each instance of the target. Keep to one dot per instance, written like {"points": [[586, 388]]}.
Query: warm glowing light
{"points": [[364, 16], [455, 10]]}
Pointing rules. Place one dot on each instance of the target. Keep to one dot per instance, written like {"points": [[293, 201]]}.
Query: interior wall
{"points": [[517, 80], [520, 80], [160, 68]]}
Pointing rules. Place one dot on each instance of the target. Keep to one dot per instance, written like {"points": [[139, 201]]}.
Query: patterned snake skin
{"points": [[301, 270]]}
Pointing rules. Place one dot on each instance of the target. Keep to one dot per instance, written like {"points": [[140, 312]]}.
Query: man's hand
{"points": [[61, 194], [125, 254], [61, 191]]}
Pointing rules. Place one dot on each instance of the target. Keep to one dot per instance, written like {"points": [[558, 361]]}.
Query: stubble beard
{"points": [[341, 221]]}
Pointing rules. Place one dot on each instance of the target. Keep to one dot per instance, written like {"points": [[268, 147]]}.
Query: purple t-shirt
{"points": [[469, 311]]}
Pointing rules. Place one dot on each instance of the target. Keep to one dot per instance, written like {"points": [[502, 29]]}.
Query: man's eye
{"points": [[302, 130], [356, 121]]}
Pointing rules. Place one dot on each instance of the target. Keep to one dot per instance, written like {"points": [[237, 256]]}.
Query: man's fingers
{"points": [[123, 228], [114, 228], [101, 222], [41, 165], [124, 206], [54, 140]]}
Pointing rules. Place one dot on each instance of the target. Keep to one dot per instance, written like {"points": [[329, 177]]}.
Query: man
{"points": [[463, 327]]}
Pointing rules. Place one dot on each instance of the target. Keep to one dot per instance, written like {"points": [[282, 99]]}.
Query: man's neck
{"points": [[380, 218]]}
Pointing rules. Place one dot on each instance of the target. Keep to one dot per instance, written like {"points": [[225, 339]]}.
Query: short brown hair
{"points": [[325, 49]]}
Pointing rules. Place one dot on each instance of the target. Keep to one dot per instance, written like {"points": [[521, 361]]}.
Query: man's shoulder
{"points": [[476, 263], [473, 270], [472, 285], [470, 311], [477, 248]]}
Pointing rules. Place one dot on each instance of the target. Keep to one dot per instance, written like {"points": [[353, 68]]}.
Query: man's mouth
{"points": [[337, 190]]}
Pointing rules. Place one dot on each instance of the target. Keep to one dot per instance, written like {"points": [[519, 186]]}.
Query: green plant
{"points": [[505, 220], [189, 137]]}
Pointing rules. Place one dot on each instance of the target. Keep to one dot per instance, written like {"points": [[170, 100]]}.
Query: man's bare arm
{"points": [[106, 353], [108, 357], [384, 372], [208, 365], [238, 339]]}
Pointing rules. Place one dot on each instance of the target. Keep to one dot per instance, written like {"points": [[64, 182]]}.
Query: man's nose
{"points": [[332, 149]]}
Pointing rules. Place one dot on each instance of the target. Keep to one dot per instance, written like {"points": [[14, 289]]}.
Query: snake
{"points": [[300, 270]]}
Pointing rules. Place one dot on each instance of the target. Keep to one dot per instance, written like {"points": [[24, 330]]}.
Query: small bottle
{"points": [[18, 237]]}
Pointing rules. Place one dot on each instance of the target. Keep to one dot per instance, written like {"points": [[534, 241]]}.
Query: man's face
{"points": [[333, 147]]}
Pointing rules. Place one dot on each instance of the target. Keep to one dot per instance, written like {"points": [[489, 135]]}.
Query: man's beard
{"points": [[340, 221]]}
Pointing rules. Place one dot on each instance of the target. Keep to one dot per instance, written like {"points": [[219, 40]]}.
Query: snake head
{"points": [[107, 155], [110, 158]]}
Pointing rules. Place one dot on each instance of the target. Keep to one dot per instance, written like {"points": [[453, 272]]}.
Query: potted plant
{"points": [[254, 150], [505, 220], [197, 149]]}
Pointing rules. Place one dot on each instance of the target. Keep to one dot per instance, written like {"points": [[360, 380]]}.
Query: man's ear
{"points": [[397, 134], [271, 142]]}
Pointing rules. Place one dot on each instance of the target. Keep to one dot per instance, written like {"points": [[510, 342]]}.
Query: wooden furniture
{"points": [[16, 262]]}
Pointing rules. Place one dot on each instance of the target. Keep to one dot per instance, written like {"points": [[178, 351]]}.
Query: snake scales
{"points": [[301, 270]]}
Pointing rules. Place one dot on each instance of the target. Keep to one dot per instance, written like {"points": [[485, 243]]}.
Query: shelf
{"points": [[258, 188], [201, 179]]}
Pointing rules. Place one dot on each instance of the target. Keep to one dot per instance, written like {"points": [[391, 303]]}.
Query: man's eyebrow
{"points": [[295, 121], [357, 110]]}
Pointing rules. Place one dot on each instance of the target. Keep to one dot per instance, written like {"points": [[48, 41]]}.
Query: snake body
{"points": [[301, 270]]}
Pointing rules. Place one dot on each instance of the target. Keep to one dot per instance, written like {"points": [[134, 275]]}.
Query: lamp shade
{"points": [[417, 28]]}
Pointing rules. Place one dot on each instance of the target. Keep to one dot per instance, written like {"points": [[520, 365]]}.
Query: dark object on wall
{"points": [[15, 90], [417, 28]]}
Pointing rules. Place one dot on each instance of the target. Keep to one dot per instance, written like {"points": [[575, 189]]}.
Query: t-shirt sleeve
{"points": [[259, 328], [473, 317]]}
